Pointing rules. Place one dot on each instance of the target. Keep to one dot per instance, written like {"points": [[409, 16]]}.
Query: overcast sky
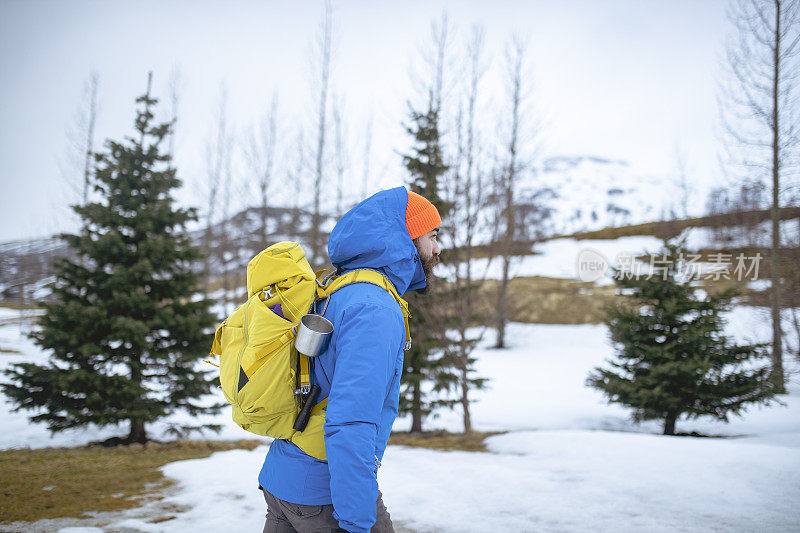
{"points": [[624, 79]]}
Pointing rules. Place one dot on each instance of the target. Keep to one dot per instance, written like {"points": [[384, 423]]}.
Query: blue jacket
{"points": [[360, 370]]}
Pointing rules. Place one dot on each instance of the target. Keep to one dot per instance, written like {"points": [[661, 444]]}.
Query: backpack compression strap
{"points": [[354, 276], [376, 278]]}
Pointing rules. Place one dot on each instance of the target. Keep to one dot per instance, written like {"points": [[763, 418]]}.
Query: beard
{"points": [[427, 266]]}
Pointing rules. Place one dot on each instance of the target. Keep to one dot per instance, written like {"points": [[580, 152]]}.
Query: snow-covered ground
{"points": [[560, 480], [570, 461]]}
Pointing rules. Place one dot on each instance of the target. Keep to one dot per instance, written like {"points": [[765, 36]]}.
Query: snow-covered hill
{"points": [[592, 193], [231, 244], [28, 264]]}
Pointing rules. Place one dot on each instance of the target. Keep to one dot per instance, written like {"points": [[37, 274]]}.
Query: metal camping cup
{"points": [[312, 335]]}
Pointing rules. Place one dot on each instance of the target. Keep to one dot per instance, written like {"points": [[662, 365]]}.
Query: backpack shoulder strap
{"points": [[375, 278]]}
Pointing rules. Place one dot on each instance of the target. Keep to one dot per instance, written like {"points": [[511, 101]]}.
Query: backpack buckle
{"points": [[407, 346], [323, 281], [304, 389]]}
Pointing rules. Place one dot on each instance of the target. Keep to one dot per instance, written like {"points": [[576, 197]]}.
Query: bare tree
{"points": [[464, 191], [77, 169], [260, 156], [175, 87], [226, 247], [506, 182], [761, 117], [439, 60], [340, 152], [297, 176], [218, 171], [324, 50], [746, 200], [719, 202], [684, 186], [91, 117], [435, 81], [365, 177], [793, 296]]}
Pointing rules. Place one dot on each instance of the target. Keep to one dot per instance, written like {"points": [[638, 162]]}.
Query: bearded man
{"points": [[394, 233]]}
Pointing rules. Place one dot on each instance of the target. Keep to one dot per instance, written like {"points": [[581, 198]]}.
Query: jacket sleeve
{"points": [[367, 345]]}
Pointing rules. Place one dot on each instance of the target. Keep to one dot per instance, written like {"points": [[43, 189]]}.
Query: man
{"points": [[393, 232]]}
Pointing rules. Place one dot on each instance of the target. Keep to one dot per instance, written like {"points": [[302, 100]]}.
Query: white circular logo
{"points": [[591, 265]]}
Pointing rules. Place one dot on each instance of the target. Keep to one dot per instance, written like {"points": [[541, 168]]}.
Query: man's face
{"points": [[428, 250]]}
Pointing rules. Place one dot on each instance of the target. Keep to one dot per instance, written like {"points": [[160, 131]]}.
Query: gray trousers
{"points": [[285, 517]]}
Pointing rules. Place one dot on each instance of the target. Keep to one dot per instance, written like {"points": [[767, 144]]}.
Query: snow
{"points": [[592, 193], [220, 493], [570, 461], [561, 480], [7, 314], [558, 258], [588, 481], [538, 384]]}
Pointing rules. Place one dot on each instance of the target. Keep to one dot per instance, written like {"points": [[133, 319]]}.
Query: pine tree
{"points": [[125, 329], [426, 162], [672, 357], [427, 359], [455, 370]]}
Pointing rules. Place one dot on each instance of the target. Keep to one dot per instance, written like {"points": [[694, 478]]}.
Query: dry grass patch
{"points": [[71, 482], [666, 229], [443, 440], [19, 305], [3, 349], [543, 300]]}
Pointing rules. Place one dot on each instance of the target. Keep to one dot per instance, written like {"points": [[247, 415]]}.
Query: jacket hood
{"points": [[373, 234]]}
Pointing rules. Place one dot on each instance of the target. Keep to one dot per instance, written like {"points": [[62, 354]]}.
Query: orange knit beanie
{"points": [[421, 215]]}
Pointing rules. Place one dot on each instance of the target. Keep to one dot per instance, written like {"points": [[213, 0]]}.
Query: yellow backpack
{"points": [[260, 371]]}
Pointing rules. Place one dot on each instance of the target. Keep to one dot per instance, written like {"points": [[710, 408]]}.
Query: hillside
{"points": [[591, 193], [230, 244]]}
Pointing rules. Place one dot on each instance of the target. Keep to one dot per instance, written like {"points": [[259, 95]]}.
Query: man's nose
{"points": [[436, 248]]}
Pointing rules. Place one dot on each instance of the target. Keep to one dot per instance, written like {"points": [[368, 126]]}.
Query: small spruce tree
{"points": [[426, 163], [672, 357], [427, 359], [125, 327]]}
